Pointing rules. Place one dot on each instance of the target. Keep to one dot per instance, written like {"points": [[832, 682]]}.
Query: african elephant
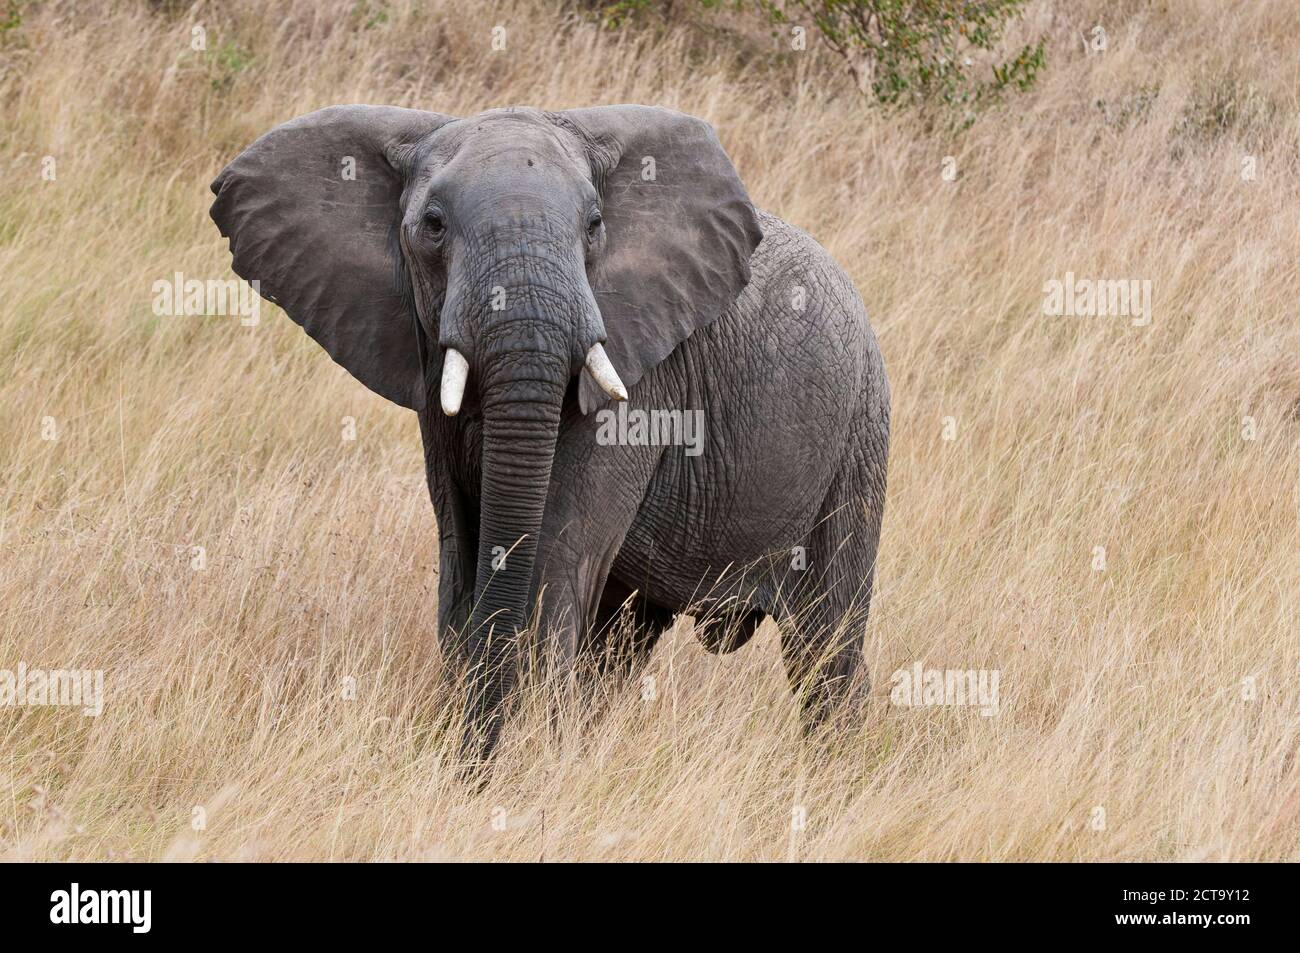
{"points": [[472, 269]]}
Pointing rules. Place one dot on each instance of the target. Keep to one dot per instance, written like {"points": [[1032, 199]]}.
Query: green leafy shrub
{"points": [[917, 51], [899, 52]]}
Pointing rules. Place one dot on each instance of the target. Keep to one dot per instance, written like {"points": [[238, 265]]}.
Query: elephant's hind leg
{"points": [[826, 604]]}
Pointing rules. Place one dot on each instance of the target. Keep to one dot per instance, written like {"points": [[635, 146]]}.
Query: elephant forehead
{"points": [[510, 137], [506, 176]]}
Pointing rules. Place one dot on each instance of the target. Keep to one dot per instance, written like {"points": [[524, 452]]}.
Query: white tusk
{"points": [[603, 371], [455, 370]]}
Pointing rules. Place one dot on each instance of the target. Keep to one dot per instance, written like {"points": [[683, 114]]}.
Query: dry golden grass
{"points": [[1121, 689]]}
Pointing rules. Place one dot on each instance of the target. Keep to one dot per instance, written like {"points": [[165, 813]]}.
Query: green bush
{"points": [[915, 51], [899, 52]]}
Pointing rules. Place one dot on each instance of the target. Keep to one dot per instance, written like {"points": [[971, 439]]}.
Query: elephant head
{"points": [[488, 261]]}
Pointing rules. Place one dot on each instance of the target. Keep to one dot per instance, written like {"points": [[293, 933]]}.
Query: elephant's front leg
{"points": [[593, 500], [457, 566], [457, 518]]}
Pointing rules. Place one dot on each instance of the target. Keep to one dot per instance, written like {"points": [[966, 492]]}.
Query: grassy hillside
{"points": [[200, 527]]}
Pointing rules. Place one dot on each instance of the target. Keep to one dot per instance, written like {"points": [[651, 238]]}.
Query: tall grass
{"points": [[1148, 708]]}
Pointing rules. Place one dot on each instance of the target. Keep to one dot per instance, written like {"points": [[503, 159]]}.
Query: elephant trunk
{"points": [[521, 391]]}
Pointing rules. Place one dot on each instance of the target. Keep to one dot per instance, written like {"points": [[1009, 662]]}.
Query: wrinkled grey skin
{"points": [[521, 238]]}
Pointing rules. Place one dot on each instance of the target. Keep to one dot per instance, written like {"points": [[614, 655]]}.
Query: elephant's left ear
{"points": [[679, 231]]}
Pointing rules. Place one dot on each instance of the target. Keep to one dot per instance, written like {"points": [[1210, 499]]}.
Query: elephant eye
{"points": [[593, 225], [433, 221]]}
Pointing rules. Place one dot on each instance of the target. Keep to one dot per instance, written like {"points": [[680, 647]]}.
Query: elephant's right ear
{"points": [[311, 210]]}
